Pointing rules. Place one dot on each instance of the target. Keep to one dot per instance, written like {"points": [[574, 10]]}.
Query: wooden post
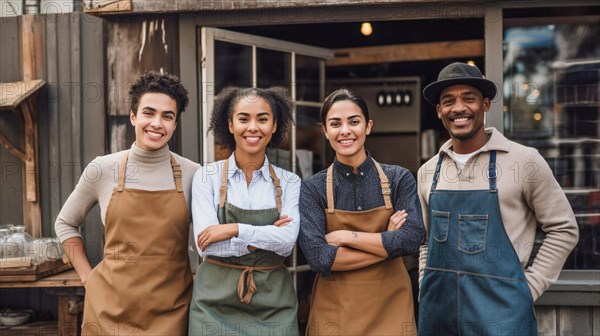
{"points": [[32, 212], [32, 47], [33, 68], [68, 322]]}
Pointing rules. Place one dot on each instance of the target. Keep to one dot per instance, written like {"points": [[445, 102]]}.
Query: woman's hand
{"points": [[338, 237], [397, 220], [283, 221], [216, 233]]}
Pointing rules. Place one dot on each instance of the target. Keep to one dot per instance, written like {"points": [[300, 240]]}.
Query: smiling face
{"points": [[346, 129], [252, 124], [462, 109], [154, 121]]}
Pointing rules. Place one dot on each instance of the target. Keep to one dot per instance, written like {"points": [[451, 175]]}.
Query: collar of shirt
{"points": [[496, 142], [364, 169], [262, 172]]}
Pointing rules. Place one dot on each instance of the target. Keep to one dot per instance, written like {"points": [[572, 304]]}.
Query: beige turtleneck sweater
{"points": [[146, 170]]}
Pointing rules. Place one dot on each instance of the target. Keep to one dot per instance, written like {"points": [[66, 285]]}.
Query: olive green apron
{"points": [[248, 295], [143, 285], [374, 300]]}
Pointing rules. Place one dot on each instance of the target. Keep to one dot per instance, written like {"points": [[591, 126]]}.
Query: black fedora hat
{"points": [[455, 74]]}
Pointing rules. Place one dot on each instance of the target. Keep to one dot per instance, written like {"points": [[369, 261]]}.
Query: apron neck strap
{"points": [[277, 184], [223, 189], [176, 168], [436, 175], [121, 183], [492, 172], [385, 187], [176, 173], [329, 185]]}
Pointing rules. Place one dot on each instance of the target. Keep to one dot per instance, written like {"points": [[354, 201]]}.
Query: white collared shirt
{"points": [[260, 194]]}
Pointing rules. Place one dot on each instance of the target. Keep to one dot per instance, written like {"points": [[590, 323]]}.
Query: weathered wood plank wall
{"points": [[11, 168], [70, 108], [136, 44]]}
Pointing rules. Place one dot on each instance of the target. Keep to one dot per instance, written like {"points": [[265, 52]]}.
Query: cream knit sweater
{"points": [[147, 170], [529, 195]]}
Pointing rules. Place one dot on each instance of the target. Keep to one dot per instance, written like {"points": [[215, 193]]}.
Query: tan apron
{"points": [[143, 285], [375, 300]]}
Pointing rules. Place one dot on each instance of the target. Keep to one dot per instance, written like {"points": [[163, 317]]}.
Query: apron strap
{"points": [[121, 183], [246, 286], [174, 166], [492, 173], [385, 185], [223, 190], [176, 173], [329, 185], [277, 184], [436, 175]]}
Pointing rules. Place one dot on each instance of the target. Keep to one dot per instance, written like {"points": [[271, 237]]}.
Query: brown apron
{"points": [[143, 285], [375, 300]]}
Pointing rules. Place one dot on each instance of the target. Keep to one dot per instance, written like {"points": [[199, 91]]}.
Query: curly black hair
{"points": [[225, 102], [152, 81]]}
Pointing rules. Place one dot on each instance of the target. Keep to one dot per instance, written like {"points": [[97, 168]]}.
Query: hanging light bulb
{"points": [[366, 28]]}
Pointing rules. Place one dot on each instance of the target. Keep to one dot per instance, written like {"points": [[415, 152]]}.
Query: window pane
{"points": [[233, 65], [272, 68], [551, 102], [307, 78]]}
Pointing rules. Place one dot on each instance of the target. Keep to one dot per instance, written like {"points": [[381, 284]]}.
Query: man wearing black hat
{"points": [[482, 198]]}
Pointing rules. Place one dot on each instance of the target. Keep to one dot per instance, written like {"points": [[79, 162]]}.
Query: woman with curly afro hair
{"points": [[246, 220]]}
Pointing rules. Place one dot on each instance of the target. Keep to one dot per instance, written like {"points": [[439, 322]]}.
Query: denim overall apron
{"points": [[473, 283], [374, 300], [248, 295], [143, 285]]}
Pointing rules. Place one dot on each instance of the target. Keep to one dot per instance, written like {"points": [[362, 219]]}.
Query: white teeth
{"points": [[252, 138], [154, 133], [461, 119], [346, 142]]}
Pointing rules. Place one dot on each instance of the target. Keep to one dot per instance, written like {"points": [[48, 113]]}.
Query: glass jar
{"points": [[4, 233], [17, 243]]}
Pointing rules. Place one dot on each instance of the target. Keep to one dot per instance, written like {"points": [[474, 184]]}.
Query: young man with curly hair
{"points": [[143, 285]]}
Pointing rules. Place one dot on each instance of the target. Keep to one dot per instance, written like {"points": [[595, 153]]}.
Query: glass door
{"points": [[232, 58]]}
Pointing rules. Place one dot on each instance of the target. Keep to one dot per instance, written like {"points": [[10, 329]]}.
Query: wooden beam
{"points": [[32, 210], [32, 31], [107, 6], [407, 52]]}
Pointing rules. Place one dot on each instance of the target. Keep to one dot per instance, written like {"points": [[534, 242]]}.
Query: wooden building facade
{"points": [[88, 60]]}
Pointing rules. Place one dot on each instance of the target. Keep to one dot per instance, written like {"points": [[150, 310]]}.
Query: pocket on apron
{"points": [[440, 221], [472, 233]]}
